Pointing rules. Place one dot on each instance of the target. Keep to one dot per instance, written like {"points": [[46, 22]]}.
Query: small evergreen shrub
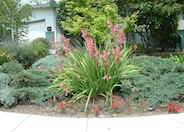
{"points": [[12, 67], [33, 77], [38, 95], [157, 83], [27, 54], [49, 61], [41, 40], [4, 79], [40, 47], [6, 97]]}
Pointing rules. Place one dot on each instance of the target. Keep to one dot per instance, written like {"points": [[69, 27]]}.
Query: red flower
{"points": [[84, 101], [171, 107], [177, 109], [115, 103], [67, 101], [61, 104], [96, 110], [142, 102], [114, 97], [51, 100]]}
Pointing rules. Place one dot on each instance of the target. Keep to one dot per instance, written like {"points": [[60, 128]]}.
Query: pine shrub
{"points": [[49, 62], [6, 97], [157, 83], [4, 79], [33, 77]]}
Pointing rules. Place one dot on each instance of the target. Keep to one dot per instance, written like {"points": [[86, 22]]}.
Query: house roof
{"points": [[46, 5], [39, 20]]}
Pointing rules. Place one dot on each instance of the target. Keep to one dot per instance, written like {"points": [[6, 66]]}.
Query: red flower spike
{"points": [[96, 110], [51, 100], [61, 104], [142, 102], [171, 107], [114, 97], [115, 103]]}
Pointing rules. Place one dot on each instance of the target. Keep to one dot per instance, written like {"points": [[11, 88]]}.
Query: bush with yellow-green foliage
{"points": [[4, 56], [73, 16]]}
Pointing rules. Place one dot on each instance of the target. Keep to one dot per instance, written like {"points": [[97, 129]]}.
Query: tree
{"points": [[73, 16], [14, 16], [160, 18]]}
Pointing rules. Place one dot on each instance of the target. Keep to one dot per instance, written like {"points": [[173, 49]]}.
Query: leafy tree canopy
{"points": [[74, 15], [160, 18], [14, 15]]}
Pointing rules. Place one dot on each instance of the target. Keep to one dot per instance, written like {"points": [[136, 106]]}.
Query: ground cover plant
{"points": [[159, 82]]}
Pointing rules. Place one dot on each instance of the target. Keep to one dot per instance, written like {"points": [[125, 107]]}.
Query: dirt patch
{"points": [[123, 109]]}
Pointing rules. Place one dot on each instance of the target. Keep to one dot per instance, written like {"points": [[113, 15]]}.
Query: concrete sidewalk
{"points": [[13, 122]]}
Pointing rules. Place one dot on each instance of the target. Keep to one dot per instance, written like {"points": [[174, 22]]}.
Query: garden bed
{"points": [[126, 108]]}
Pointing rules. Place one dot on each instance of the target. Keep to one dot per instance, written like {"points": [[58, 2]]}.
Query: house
{"points": [[43, 23]]}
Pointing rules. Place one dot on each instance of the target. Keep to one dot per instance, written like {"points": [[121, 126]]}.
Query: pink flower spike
{"points": [[107, 78], [75, 65], [67, 92], [115, 28], [84, 33], [60, 36], [117, 52], [41, 67], [122, 33], [90, 46], [109, 23], [66, 46], [62, 84], [53, 70], [78, 76], [58, 55]]}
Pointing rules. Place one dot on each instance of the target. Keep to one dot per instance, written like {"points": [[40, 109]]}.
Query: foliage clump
{"points": [[91, 71], [12, 68], [49, 62], [6, 98], [155, 15], [4, 79], [73, 16], [157, 83], [33, 77], [27, 54]]}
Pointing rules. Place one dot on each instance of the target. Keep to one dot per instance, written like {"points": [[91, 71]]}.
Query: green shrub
{"points": [[49, 61], [12, 67], [27, 54], [4, 79], [4, 55], [40, 47], [177, 58], [157, 83], [40, 40], [6, 97], [32, 78], [38, 95]]}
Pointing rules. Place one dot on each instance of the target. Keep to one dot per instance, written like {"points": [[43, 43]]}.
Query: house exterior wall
{"points": [[181, 25], [42, 18]]}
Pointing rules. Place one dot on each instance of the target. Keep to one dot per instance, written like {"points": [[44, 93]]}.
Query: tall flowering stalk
{"points": [[91, 72]]}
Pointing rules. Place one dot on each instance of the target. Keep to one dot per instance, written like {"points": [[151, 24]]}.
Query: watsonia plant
{"points": [[92, 72]]}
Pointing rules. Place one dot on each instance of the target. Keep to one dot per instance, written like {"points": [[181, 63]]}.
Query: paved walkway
{"points": [[13, 122]]}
